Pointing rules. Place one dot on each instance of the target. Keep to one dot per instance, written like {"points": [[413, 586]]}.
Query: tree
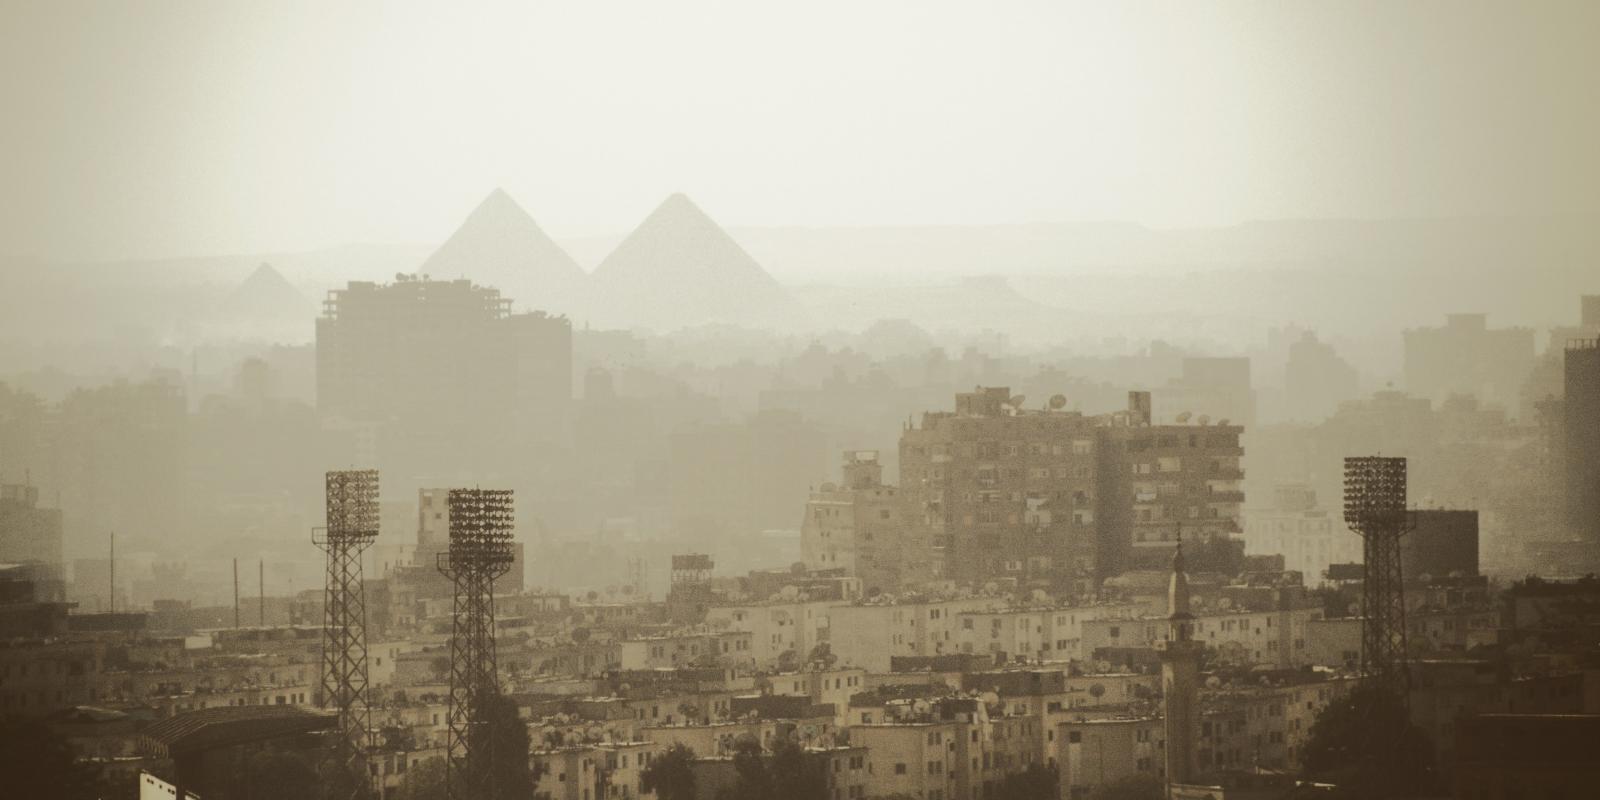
{"points": [[425, 781], [508, 737], [792, 776], [274, 771], [670, 775], [1365, 744], [752, 780], [786, 774], [1037, 782], [38, 763], [1132, 787]]}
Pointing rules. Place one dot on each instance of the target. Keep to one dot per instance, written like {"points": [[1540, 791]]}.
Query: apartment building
{"points": [[861, 526], [1060, 500]]}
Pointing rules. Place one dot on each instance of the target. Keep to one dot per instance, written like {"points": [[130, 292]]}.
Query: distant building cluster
{"points": [[1019, 576]]}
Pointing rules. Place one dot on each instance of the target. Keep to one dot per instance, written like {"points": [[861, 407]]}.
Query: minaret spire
{"points": [[1178, 589], [1180, 677]]}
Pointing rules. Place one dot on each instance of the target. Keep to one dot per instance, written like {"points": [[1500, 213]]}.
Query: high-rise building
{"points": [[1582, 437], [442, 371], [28, 533], [1005, 491], [1466, 356], [1162, 484], [1054, 496]]}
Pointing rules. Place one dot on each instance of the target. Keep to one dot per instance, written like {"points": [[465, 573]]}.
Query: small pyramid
{"points": [[679, 268], [266, 296], [500, 245]]}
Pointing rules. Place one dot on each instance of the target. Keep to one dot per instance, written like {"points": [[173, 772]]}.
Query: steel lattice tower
{"points": [[480, 551], [1375, 508], [352, 506]]}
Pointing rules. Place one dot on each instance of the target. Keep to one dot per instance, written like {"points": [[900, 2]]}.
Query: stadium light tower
{"points": [[352, 526], [480, 551]]}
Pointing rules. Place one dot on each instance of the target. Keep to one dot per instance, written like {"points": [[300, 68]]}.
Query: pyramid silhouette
{"points": [[678, 268], [266, 296], [500, 245]]}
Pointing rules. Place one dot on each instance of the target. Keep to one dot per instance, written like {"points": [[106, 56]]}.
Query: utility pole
{"points": [[236, 594], [111, 595], [261, 601]]}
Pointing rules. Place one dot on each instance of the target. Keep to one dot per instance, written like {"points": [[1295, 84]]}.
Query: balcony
{"points": [[1225, 497]]}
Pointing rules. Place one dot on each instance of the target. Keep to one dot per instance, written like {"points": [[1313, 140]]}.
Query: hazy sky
{"points": [[144, 129]]}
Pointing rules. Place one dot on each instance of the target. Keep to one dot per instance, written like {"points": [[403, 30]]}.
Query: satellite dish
{"points": [[1184, 417], [1222, 422], [1058, 401], [1205, 420], [1017, 400]]}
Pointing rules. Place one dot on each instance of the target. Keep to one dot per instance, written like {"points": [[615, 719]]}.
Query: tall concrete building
{"points": [[1466, 356], [31, 536], [1049, 496], [1581, 447], [860, 526], [435, 371], [1005, 491], [28, 533], [1162, 484]]}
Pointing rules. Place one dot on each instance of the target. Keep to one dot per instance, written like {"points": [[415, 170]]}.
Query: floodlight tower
{"points": [[1375, 508], [352, 506], [480, 551]]}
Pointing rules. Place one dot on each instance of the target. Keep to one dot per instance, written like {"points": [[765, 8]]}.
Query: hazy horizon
{"points": [[207, 129]]}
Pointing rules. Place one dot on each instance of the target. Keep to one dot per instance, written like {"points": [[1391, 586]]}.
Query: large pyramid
{"points": [[680, 269], [499, 245]]}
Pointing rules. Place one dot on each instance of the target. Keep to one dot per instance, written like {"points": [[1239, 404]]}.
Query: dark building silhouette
{"points": [[1441, 543], [1316, 380], [1503, 756], [28, 533], [1214, 386], [1582, 450], [429, 373], [1466, 356]]}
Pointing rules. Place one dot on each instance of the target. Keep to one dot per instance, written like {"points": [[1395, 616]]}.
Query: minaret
{"points": [[1180, 678]]}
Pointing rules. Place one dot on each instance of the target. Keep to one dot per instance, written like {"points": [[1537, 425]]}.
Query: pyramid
{"points": [[499, 245], [680, 269], [266, 296]]}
